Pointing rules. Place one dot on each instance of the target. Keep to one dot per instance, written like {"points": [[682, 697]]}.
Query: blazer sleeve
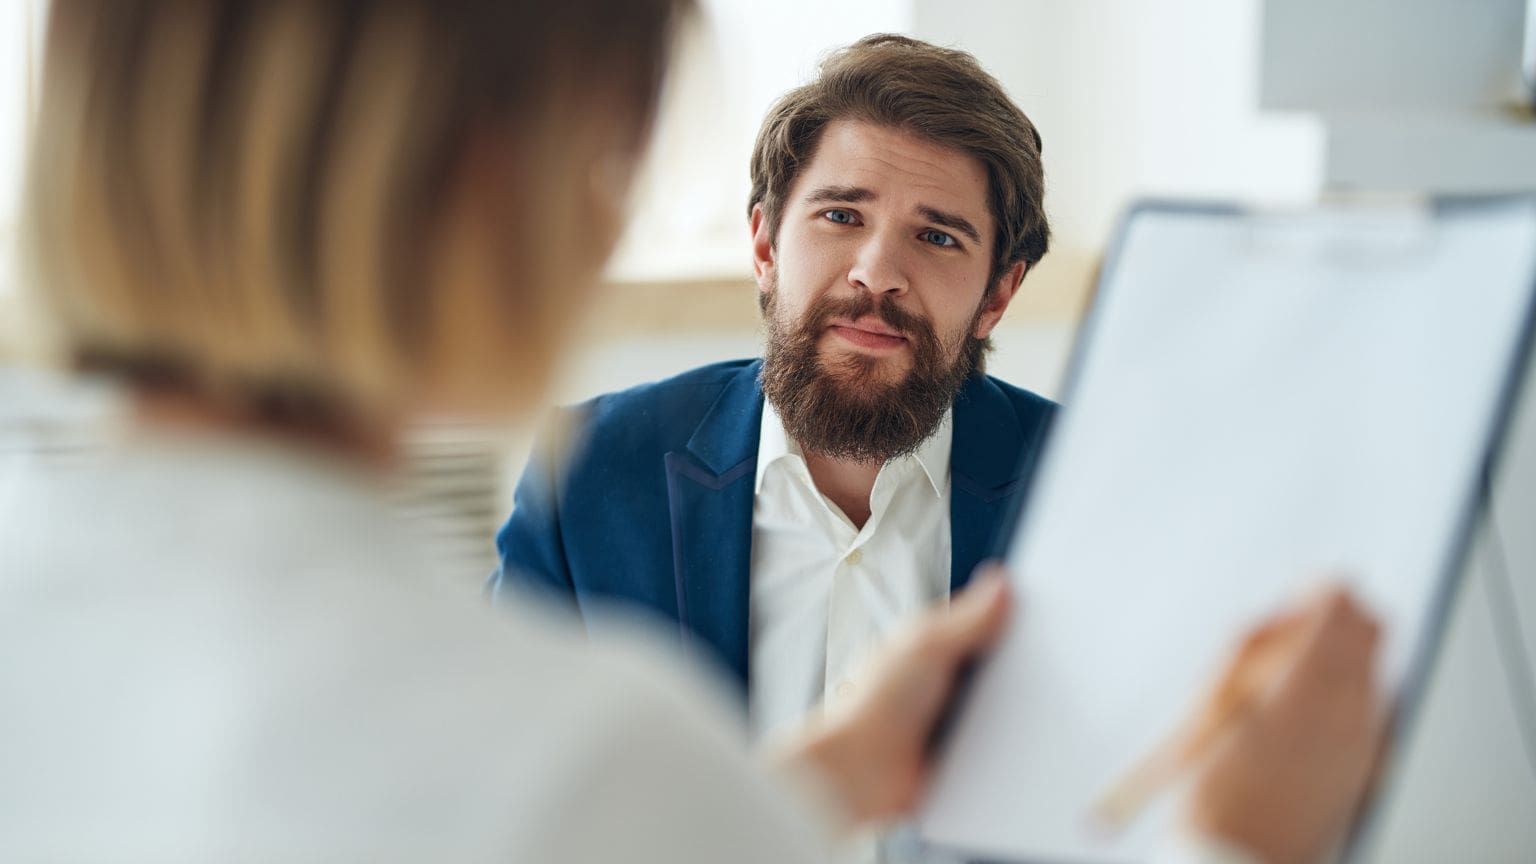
{"points": [[531, 545]]}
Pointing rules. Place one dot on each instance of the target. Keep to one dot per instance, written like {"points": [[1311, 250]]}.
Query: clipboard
{"points": [[1254, 398]]}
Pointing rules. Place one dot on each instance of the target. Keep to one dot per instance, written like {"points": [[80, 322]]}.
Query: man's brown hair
{"points": [[939, 94]]}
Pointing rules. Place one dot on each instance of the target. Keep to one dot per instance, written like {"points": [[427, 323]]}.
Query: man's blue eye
{"points": [[841, 217], [938, 238]]}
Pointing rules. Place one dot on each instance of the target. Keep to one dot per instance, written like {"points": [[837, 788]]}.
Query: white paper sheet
{"points": [[1259, 399]]}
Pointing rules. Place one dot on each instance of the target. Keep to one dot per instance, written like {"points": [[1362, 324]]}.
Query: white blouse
{"points": [[223, 649]]}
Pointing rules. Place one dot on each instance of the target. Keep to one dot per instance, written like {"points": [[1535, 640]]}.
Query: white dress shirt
{"points": [[218, 649], [825, 594]]}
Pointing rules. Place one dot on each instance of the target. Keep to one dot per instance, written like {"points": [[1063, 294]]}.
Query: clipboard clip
{"points": [[1349, 226]]}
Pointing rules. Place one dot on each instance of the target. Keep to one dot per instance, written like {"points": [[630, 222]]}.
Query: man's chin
{"points": [[864, 392]]}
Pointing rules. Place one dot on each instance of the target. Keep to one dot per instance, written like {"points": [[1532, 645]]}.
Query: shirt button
{"points": [[855, 557], [844, 689]]}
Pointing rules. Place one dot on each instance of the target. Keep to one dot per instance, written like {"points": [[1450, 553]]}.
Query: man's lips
{"points": [[867, 333]]}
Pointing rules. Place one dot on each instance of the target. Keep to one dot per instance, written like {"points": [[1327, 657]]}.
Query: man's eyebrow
{"points": [[950, 220], [839, 195], [855, 194]]}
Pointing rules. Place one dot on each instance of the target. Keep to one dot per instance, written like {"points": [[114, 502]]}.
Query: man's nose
{"points": [[877, 266]]}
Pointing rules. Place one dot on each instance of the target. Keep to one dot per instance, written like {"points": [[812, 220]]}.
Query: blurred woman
{"points": [[289, 227]]}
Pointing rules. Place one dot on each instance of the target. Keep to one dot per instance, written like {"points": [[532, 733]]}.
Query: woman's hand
{"points": [[1285, 780]]}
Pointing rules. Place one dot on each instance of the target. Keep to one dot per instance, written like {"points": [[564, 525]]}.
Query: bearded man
{"points": [[788, 512]]}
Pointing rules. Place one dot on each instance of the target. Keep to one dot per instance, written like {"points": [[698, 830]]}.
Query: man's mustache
{"points": [[854, 308]]}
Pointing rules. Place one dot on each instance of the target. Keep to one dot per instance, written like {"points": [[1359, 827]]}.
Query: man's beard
{"points": [[839, 408]]}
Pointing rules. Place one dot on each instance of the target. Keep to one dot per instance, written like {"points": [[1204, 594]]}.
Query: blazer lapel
{"points": [[709, 491], [984, 475]]}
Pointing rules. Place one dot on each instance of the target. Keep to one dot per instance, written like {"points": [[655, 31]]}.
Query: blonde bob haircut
{"points": [[264, 203]]}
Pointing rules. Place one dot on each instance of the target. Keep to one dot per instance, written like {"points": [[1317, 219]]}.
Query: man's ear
{"points": [[1003, 291], [762, 248]]}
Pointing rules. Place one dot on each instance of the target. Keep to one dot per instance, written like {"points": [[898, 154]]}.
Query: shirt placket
{"points": [[852, 632]]}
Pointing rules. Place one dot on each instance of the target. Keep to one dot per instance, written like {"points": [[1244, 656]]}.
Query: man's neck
{"points": [[845, 483]]}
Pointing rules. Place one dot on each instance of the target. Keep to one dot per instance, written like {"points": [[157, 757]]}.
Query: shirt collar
{"points": [[933, 454], [774, 444]]}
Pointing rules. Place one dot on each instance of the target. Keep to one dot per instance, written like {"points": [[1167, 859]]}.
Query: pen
{"points": [[1256, 666]]}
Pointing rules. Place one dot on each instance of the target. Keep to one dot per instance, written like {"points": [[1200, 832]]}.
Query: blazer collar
{"points": [[984, 479], [727, 436], [988, 440], [709, 492]]}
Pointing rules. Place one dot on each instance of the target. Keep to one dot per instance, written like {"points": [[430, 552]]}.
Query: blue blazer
{"points": [[652, 502]]}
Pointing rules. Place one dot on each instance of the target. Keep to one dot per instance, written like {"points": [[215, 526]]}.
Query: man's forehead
{"points": [[892, 165]]}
